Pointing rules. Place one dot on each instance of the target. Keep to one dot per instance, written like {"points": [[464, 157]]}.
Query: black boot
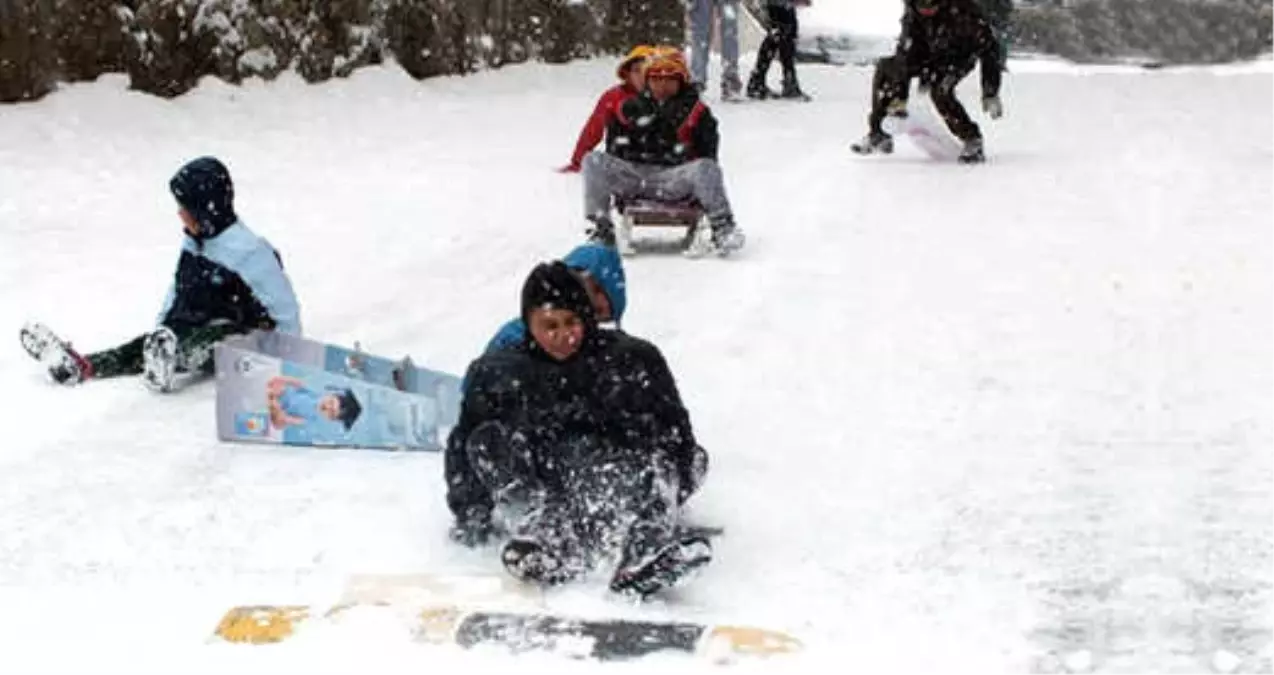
{"points": [[643, 573], [874, 142], [528, 560], [792, 90], [602, 232], [972, 152], [757, 88]]}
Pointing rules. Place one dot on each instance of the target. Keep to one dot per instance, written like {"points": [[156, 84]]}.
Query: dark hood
{"points": [[554, 285], [203, 187]]}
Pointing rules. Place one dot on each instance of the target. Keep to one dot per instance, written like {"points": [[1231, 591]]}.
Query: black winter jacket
{"points": [[949, 42], [674, 132], [617, 398]]}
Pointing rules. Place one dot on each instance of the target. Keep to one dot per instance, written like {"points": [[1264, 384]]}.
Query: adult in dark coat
{"points": [[941, 42]]}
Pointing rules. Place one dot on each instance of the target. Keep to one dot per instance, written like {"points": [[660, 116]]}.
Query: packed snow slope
{"points": [[1010, 417]]}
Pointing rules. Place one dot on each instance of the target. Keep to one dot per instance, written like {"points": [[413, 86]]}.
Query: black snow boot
{"points": [[874, 142], [645, 574], [528, 560], [602, 232], [972, 152], [792, 90], [757, 88]]}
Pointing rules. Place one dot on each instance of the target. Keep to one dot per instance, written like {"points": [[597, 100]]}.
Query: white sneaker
{"points": [[700, 243], [727, 241], [159, 359]]}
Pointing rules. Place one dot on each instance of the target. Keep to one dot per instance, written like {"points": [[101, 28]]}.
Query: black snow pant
{"points": [[581, 503], [194, 351], [780, 38], [892, 83]]}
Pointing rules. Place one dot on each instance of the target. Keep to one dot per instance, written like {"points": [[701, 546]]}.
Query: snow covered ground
{"points": [[1013, 417]]}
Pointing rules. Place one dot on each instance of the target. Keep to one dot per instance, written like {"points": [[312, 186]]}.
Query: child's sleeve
{"points": [[263, 272]]}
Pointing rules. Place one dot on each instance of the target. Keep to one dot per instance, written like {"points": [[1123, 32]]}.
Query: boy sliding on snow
{"points": [[601, 270], [575, 443], [228, 280], [602, 122], [940, 43], [665, 148]]}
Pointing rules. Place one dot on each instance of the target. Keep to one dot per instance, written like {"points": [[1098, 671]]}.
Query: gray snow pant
{"points": [[607, 176], [701, 38], [582, 503]]}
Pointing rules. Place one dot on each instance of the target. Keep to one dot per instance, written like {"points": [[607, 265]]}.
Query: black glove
{"points": [[473, 528], [690, 474]]}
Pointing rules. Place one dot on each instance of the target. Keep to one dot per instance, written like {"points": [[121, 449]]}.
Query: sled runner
{"points": [[644, 212]]}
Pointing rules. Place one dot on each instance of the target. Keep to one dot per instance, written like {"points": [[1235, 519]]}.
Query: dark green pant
{"points": [[194, 351]]}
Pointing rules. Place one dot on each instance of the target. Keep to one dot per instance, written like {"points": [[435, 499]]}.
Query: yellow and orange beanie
{"points": [[667, 61], [635, 56]]}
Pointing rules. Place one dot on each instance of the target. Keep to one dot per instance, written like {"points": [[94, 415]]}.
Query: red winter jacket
{"points": [[604, 113]]}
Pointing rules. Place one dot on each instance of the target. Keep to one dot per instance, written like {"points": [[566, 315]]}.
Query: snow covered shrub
{"points": [[1165, 31], [334, 37], [91, 37], [624, 23], [28, 57], [419, 35], [248, 39], [514, 31], [165, 56]]}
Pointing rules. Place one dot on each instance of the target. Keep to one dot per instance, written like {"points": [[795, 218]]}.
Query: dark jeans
{"points": [[892, 82], [194, 351], [780, 38], [580, 499]]}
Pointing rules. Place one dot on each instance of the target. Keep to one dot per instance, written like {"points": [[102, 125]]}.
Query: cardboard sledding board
{"points": [[280, 388], [474, 611], [923, 127]]}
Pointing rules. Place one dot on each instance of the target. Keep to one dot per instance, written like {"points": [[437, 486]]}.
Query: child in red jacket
{"points": [[633, 79]]}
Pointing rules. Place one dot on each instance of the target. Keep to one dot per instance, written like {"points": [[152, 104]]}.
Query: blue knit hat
{"points": [[605, 266]]}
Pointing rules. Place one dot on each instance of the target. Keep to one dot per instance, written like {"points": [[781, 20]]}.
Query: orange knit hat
{"points": [[667, 61]]}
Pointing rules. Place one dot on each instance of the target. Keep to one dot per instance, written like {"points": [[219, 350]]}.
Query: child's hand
{"points": [[279, 419], [274, 388]]}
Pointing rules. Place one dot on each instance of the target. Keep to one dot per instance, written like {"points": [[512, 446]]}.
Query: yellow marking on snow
{"points": [[754, 641], [261, 624], [437, 624]]}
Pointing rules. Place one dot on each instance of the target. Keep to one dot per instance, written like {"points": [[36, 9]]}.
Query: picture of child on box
{"points": [[326, 415], [306, 410]]}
